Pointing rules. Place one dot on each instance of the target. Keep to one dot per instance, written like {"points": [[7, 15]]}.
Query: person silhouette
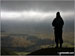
{"points": [[58, 26]]}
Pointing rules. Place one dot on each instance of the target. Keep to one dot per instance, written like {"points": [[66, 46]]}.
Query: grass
{"points": [[22, 53]]}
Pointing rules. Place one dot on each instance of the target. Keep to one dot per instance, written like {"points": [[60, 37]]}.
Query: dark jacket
{"points": [[58, 23]]}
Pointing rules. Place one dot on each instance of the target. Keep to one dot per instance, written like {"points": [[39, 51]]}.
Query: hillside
{"points": [[52, 51]]}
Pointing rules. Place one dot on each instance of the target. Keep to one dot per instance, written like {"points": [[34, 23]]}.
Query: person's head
{"points": [[58, 15]]}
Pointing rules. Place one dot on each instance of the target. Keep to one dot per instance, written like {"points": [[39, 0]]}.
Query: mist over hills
{"points": [[33, 33], [33, 27]]}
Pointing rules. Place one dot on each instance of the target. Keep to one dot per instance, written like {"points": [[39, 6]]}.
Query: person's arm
{"points": [[62, 22], [53, 23]]}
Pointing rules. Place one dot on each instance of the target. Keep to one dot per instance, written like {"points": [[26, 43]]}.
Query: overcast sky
{"points": [[35, 9], [28, 15], [37, 5]]}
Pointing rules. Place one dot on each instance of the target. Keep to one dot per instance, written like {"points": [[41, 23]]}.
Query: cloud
{"points": [[32, 15]]}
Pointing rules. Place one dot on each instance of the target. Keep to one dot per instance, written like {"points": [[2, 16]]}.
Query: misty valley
{"points": [[27, 43]]}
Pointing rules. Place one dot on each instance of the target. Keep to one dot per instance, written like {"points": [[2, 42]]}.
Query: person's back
{"points": [[58, 22], [58, 25]]}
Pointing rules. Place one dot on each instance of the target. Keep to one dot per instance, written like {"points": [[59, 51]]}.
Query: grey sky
{"points": [[38, 8], [37, 5], [38, 14]]}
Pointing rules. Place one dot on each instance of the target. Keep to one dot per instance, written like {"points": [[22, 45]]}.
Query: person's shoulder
{"points": [[54, 18]]}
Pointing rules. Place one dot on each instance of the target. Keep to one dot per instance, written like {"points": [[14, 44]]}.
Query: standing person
{"points": [[58, 25]]}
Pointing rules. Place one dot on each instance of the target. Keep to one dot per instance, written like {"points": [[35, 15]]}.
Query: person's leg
{"points": [[61, 45], [56, 45], [56, 39], [61, 40]]}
